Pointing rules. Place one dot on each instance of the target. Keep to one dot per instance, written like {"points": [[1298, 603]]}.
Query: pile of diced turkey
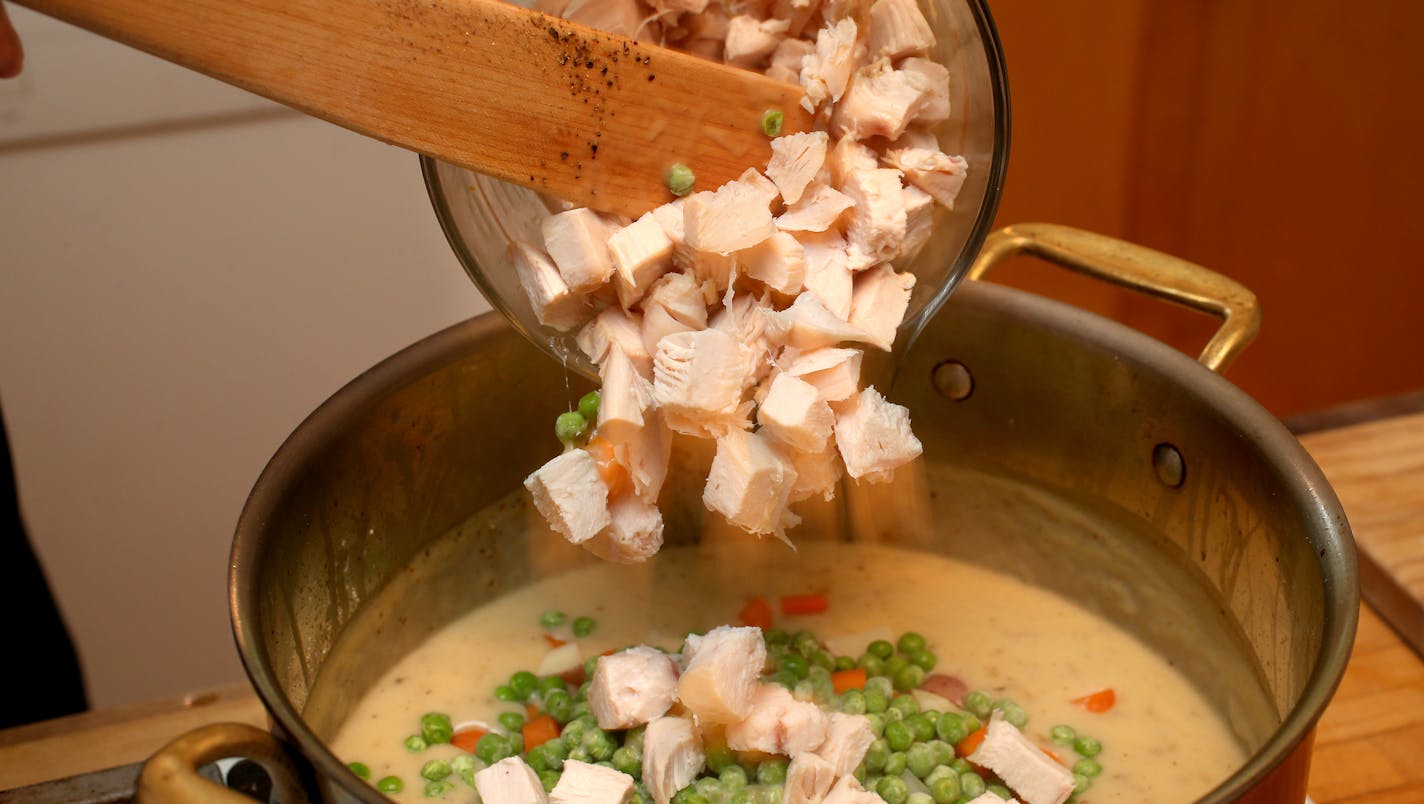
{"points": [[738, 314], [715, 686]]}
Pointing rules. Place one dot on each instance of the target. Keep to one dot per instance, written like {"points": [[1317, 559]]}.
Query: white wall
{"points": [[187, 271]]}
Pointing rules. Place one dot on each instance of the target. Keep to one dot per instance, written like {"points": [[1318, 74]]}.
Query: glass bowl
{"points": [[481, 215]]}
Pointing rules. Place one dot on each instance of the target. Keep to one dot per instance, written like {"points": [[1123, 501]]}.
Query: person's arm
{"points": [[12, 57]]}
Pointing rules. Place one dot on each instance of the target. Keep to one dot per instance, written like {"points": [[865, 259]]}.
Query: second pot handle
{"points": [[1137, 268], [171, 775]]}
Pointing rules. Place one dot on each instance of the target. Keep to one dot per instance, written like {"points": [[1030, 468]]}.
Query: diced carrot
{"points": [[1098, 702], [467, 739], [852, 679], [757, 613], [803, 604], [614, 475], [967, 746], [540, 730], [554, 642]]}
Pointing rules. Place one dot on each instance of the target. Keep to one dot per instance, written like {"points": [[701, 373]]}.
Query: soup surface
{"points": [[1161, 742]]}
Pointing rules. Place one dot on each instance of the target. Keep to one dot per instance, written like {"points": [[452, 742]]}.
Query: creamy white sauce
{"points": [[1162, 742]]}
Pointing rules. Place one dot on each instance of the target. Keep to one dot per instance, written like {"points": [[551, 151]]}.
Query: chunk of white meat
{"points": [[764, 187], [509, 781], [571, 495], [750, 484], [732, 217], [818, 208], [583, 783], [1024, 767], [897, 28], [750, 41], [786, 60], [848, 156], [795, 161], [680, 296], [720, 671], [779, 724], [817, 473], [577, 241], [874, 436], [694, 7], [848, 737], [849, 791], [634, 533], [615, 328], [808, 779], [632, 687], [554, 304], [745, 320], [807, 324], [879, 302], [880, 102], [641, 252], [798, 14], [560, 660], [622, 17], [672, 756], [936, 107], [623, 398], [877, 221], [698, 374], [824, 73], [919, 220], [940, 175], [779, 262], [834, 372], [828, 273], [658, 323], [712, 271], [794, 414], [646, 456]]}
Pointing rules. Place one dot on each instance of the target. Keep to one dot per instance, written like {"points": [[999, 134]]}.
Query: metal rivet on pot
{"points": [[953, 380], [1171, 469]]}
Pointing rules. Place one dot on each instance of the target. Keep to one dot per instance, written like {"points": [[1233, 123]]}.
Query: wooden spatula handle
{"points": [[529, 98]]}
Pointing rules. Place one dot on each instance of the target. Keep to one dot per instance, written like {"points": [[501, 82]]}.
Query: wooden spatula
{"points": [[559, 107]]}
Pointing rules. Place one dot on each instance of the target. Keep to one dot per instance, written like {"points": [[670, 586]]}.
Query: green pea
{"points": [[843, 663], [875, 701], [876, 756], [972, 785], [524, 684], [895, 664], [775, 636], [538, 758], [1015, 714], [773, 795], [720, 756], [945, 790], [971, 723], [505, 693], [680, 179], [898, 735], [435, 770], [804, 690], [910, 643], [569, 427], [492, 748], [585, 626], [874, 665], [438, 788], [771, 771], [784, 677], [559, 706], [1087, 747], [1081, 784], [943, 751], [436, 728], [950, 728], [939, 772], [360, 769], [733, 777], [552, 618], [548, 780], [979, 703], [905, 705], [633, 738], [415, 744], [877, 724], [961, 765], [771, 122], [909, 677], [512, 721], [893, 789], [1088, 767], [895, 764], [880, 648], [795, 664], [579, 754], [893, 715], [599, 744], [590, 665], [573, 732], [805, 643], [919, 798], [548, 684], [1000, 791], [516, 744], [823, 659], [588, 406], [923, 727], [390, 784], [709, 787], [743, 796], [852, 702], [925, 660], [641, 793], [881, 684], [1063, 735], [462, 763]]}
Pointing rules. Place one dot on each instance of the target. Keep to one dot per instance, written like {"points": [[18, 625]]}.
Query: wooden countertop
{"points": [[1368, 744]]}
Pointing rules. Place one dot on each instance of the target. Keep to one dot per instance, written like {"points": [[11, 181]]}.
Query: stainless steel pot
{"points": [[1061, 447]]}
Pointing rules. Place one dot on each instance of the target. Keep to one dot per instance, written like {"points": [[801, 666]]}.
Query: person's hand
{"points": [[11, 56]]}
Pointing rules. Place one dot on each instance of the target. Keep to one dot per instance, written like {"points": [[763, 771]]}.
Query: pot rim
{"points": [[1329, 530]]}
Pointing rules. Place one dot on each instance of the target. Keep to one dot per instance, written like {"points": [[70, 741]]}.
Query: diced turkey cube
{"points": [[670, 217], [849, 791], [1024, 767], [795, 161], [750, 484], [672, 757], [937, 106], [848, 156], [797, 13], [786, 60], [879, 302], [847, 739], [694, 7], [779, 262], [622, 17], [634, 532], [614, 328], [641, 252], [577, 241], [554, 304], [816, 211], [763, 186], [583, 783], [828, 273], [698, 373], [646, 456], [807, 324], [817, 473], [919, 220], [623, 398], [713, 272], [794, 413], [824, 73], [571, 495], [874, 436], [834, 372], [880, 102], [720, 672], [681, 297], [632, 687], [509, 781], [779, 724], [732, 217], [897, 28], [750, 41], [938, 174], [745, 320], [808, 779], [658, 323], [877, 222]]}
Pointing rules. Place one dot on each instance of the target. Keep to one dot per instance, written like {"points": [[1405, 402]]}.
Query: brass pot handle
{"points": [[1137, 268], [171, 775]]}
